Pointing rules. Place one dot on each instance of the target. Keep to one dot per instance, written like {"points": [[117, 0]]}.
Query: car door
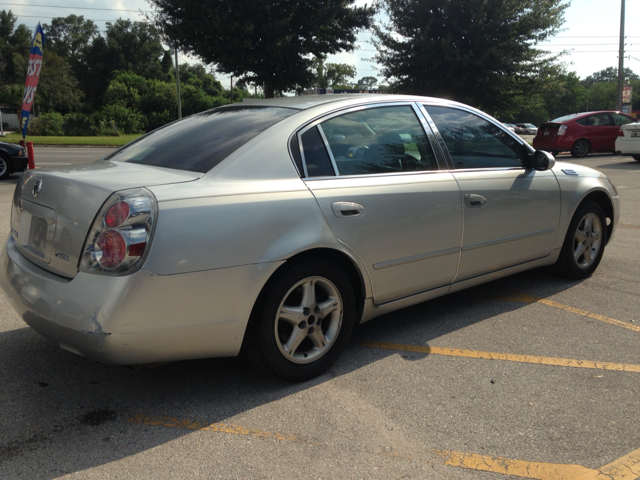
{"points": [[375, 175], [511, 213]]}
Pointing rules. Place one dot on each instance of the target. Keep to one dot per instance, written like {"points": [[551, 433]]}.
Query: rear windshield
{"points": [[565, 118], [200, 142]]}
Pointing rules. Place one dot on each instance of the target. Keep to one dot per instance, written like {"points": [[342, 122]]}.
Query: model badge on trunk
{"points": [[63, 256], [36, 188]]}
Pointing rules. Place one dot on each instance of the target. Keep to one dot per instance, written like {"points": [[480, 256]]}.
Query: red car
{"points": [[581, 133]]}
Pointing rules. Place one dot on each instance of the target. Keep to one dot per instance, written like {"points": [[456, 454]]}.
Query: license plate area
{"points": [[37, 230], [545, 133], [635, 134]]}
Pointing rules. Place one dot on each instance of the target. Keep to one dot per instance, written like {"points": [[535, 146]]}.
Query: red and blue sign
{"points": [[33, 75]]}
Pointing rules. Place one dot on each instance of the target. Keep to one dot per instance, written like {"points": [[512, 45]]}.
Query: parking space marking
{"points": [[173, 422], [455, 352], [625, 468], [526, 298], [629, 226]]}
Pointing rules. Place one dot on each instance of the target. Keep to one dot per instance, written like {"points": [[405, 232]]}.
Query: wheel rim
{"points": [[3, 166], [308, 320], [587, 240], [582, 148]]}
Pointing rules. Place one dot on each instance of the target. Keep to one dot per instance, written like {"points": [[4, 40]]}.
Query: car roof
{"points": [[304, 102]]}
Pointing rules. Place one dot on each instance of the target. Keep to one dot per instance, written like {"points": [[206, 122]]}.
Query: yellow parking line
{"points": [[454, 352], [172, 422], [526, 298], [629, 226], [625, 468]]}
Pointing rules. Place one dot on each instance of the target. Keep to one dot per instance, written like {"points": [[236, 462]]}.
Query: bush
{"points": [[47, 124], [124, 119]]}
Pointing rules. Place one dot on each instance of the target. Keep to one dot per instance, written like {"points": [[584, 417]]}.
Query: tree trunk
{"points": [[268, 89]]}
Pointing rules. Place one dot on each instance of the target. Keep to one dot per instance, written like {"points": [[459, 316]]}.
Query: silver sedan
{"points": [[272, 228]]}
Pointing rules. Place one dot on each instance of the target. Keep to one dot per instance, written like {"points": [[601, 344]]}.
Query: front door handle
{"points": [[473, 200], [347, 209]]}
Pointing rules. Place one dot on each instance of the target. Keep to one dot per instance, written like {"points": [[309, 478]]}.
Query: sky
{"points": [[590, 34]]}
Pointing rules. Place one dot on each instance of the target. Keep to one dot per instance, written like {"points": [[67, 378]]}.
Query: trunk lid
{"points": [[53, 210], [548, 130], [631, 130]]}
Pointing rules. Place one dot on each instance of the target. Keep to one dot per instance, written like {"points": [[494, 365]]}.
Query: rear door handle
{"points": [[473, 200], [347, 209]]}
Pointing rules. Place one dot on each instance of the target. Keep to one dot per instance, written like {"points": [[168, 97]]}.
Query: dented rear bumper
{"points": [[138, 318]]}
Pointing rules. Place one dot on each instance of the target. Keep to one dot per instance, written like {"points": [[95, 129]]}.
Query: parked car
{"points": [[272, 228], [13, 159], [628, 140], [519, 130], [581, 133], [529, 128], [510, 127]]}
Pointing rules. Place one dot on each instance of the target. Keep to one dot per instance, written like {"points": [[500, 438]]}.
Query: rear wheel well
{"points": [[604, 201], [344, 263]]}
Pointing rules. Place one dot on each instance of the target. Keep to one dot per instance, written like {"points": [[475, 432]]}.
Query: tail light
{"points": [[621, 132], [562, 130], [120, 236]]}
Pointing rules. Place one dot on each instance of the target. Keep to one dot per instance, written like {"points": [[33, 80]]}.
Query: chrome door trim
{"points": [[415, 258], [435, 146], [328, 148], [507, 239], [437, 135]]}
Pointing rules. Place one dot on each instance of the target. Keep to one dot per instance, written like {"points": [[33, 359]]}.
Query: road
{"points": [[66, 156], [529, 376]]}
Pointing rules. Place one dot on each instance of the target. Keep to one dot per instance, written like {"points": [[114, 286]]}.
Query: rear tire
{"points": [[584, 243], [580, 148], [302, 321]]}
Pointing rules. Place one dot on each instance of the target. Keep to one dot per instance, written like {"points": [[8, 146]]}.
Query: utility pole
{"points": [[175, 50], [621, 57], [231, 88]]}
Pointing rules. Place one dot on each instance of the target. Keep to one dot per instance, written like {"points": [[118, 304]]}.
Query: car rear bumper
{"points": [[552, 142], [628, 146], [139, 318]]}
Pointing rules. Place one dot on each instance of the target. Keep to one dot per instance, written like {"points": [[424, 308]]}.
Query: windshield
{"points": [[200, 142]]}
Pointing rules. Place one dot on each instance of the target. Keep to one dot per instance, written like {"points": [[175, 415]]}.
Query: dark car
{"points": [[581, 133], [13, 158]]}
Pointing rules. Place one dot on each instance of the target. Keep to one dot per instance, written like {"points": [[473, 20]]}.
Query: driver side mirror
{"points": [[541, 160]]}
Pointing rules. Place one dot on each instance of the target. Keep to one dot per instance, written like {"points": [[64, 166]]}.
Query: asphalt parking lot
{"points": [[531, 376]]}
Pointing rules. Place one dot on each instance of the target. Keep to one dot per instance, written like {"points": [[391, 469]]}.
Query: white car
{"points": [[628, 141]]}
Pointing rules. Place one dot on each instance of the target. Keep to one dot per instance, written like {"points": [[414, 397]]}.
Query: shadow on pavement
{"points": [[60, 406]]}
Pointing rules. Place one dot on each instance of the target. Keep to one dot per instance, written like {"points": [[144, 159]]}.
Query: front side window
{"points": [[378, 140], [473, 142]]}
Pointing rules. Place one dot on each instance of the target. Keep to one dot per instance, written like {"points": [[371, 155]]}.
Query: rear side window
{"points": [[599, 119], [619, 119], [200, 142], [316, 157], [473, 142]]}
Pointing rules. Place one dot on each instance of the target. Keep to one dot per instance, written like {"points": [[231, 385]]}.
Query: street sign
{"points": [[627, 93]]}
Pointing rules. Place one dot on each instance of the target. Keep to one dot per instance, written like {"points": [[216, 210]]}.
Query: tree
{"points": [[15, 43], [70, 36], [475, 51], [266, 43], [367, 82], [609, 74], [334, 75]]}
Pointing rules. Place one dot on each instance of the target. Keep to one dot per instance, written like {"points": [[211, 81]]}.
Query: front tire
{"points": [[580, 148], [302, 321], [5, 167], [584, 244]]}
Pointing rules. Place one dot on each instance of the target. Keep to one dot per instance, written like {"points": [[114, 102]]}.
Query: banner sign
{"points": [[33, 75], [627, 92]]}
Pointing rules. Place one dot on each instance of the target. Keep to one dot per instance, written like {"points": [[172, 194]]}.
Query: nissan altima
{"points": [[272, 228]]}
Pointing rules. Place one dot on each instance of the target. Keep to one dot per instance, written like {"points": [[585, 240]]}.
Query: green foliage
{"points": [[475, 51], [14, 49], [70, 36], [266, 43], [334, 75], [57, 88], [51, 124], [367, 82], [124, 119]]}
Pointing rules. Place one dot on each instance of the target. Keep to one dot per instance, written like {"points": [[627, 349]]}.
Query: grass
{"points": [[98, 141]]}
